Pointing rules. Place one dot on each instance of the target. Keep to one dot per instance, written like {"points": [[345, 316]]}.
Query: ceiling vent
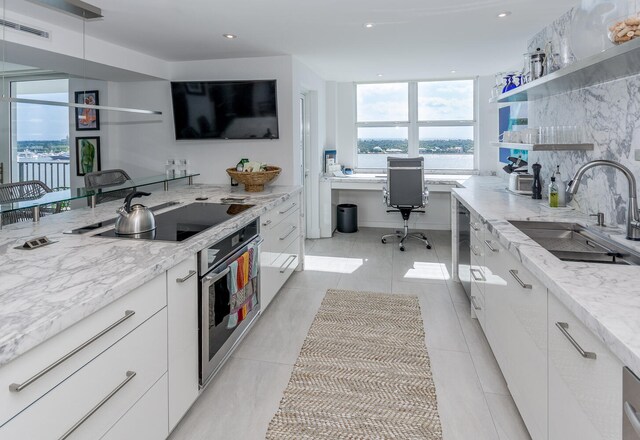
{"points": [[23, 28]]}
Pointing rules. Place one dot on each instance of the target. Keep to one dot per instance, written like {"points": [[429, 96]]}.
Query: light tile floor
{"points": [[473, 398]]}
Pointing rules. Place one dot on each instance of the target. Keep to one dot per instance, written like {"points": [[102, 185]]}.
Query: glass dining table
{"points": [[66, 195]]}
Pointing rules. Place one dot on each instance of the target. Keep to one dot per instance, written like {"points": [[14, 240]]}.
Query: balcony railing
{"points": [[55, 174]]}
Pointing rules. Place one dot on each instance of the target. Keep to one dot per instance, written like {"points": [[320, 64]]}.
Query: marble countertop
{"points": [[433, 179], [605, 298], [46, 290]]}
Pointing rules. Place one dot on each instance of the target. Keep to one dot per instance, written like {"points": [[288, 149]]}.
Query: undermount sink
{"points": [[573, 242]]}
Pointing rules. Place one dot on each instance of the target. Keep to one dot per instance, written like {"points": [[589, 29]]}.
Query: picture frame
{"points": [[87, 118], [87, 154]]}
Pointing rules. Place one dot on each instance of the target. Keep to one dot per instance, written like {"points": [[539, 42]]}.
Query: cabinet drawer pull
{"points": [[473, 302], [564, 328], [189, 275], [284, 268], [514, 273], [17, 387], [475, 227], [632, 416], [267, 223], [293, 228], [491, 248], [130, 375], [288, 209], [473, 274], [473, 250]]}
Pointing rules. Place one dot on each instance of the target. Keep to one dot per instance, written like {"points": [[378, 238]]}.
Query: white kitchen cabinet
{"points": [[147, 420], [516, 306], [477, 273], [82, 341], [95, 397], [182, 304], [585, 381], [280, 253], [273, 275]]}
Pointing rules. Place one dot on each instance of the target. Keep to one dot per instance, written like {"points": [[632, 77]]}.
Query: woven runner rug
{"points": [[363, 373]]}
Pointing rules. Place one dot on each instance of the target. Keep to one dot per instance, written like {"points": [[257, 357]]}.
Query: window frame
{"points": [[414, 124]]}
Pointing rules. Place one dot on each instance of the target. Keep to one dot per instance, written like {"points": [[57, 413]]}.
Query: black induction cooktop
{"points": [[185, 222]]}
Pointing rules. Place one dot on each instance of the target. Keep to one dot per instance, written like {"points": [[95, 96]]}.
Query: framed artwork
{"points": [[87, 154], [87, 118]]}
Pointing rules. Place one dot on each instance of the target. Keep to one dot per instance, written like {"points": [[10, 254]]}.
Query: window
{"points": [[434, 119]]}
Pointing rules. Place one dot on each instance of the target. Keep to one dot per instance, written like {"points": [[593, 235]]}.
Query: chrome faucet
{"points": [[633, 217]]}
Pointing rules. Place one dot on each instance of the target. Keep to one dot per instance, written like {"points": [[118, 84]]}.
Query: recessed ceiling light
{"points": [[453, 71], [368, 25], [229, 36], [379, 75], [504, 14]]}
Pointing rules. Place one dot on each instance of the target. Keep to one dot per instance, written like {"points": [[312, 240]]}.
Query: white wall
{"points": [[144, 143], [308, 83], [487, 126]]}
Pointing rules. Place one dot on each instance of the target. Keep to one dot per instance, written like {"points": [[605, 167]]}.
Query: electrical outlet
{"points": [[637, 153]]}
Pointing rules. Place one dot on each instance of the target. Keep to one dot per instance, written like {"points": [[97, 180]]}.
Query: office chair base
{"points": [[404, 235]]}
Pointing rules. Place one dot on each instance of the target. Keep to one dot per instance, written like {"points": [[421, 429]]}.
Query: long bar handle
{"points": [[267, 223], [293, 228], [473, 302], [189, 275], [15, 387], [491, 248], [473, 274], [288, 209], [474, 226], [290, 257], [514, 273], [92, 411], [564, 328], [632, 416], [222, 274], [473, 250]]}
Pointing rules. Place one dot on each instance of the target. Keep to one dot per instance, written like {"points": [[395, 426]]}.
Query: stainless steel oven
{"points": [[229, 296]]}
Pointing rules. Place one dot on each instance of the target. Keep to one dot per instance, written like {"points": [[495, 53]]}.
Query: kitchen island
{"points": [[47, 290]]}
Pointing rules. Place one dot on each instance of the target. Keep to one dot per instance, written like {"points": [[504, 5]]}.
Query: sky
{"points": [[42, 122], [437, 101]]}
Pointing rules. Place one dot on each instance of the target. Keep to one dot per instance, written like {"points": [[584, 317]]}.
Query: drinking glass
{"points": [[170, 168]]}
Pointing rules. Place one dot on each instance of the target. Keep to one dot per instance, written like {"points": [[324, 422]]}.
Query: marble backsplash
{"points": [[609, 114]]}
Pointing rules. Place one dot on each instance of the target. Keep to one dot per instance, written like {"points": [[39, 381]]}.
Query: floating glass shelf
{"points": [[614, 63]]}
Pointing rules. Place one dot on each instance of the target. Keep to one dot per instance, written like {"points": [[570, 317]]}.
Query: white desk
{"points": [[371, 211]]}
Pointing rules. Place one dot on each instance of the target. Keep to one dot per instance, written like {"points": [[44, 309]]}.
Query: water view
{"points": [[433, 161]]}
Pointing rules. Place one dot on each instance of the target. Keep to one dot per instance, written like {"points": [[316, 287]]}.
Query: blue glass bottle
{"points": [[509, 83]]}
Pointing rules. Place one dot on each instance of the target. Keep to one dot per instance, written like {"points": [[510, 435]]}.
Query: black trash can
{"points": [[347, 218]]}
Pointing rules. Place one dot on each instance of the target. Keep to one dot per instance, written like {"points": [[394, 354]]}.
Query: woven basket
{"points": [[254, 181]]}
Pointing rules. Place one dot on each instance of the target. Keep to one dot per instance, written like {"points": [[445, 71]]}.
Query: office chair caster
{"points": [[402, 248], [384, 240]]}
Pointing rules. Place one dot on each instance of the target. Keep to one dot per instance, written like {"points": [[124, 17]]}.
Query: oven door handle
{"points": [[212, 279]]}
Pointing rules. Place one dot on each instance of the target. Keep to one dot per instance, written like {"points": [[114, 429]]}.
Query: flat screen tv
{"points": [[225, 110]]}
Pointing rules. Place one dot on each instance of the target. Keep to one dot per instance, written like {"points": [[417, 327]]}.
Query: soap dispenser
{"points": [[562, 190]]}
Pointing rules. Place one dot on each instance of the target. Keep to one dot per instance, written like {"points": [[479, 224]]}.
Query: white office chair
{"points": [[406, 192]]}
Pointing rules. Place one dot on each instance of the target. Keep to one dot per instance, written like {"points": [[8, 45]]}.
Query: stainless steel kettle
{"points": [[136, 219]]}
